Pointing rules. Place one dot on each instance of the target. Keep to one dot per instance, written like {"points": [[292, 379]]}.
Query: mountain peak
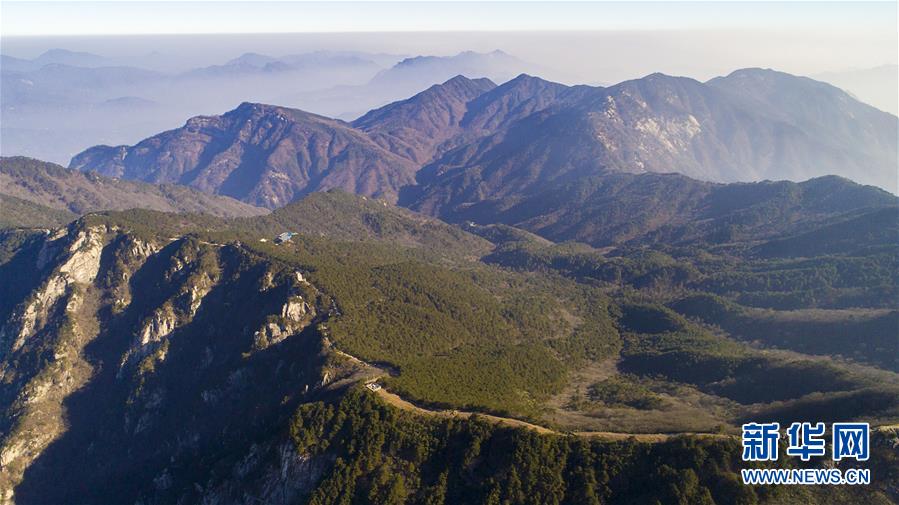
{"points": [[248, 110], [477, 85], [65, 53], [757, 72], [415, 127], [523, 77], [457, 79], [74, 58], [510, 101], [528, 80], [659, 77], [246, 107]]}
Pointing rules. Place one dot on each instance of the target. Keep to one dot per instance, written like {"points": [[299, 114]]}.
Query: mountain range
{"points": [[467, 141], [551, 315], [671, 209], [729, 129], [50, 57]]}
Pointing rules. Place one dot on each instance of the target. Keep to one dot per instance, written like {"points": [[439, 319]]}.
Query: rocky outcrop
{"points": [[295, 309], [295, 315], [195, 276], [52, 323], [274, 473], [149, 346]]}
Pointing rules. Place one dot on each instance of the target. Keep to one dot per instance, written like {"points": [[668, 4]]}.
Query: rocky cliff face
{"points": [[155, 370]]}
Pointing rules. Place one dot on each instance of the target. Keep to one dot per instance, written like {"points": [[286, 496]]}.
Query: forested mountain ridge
{"points": [[652, 209]]}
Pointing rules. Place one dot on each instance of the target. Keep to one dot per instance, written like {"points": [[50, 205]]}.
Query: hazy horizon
{"points": [[583, 57], [575, 42], [56, 113]]}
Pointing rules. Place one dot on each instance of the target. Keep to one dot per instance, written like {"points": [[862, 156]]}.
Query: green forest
{"points": [[377, 454]]}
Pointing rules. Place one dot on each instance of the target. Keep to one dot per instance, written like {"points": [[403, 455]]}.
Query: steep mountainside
{"points": [[118, 349], [416, 127], [514, 100], [457, 112], [53, 186], [260, 154]]}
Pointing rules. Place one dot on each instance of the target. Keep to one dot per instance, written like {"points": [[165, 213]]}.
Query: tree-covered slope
{"points": [[53, 186], [343, 216], [160, 351], [19, 213], [648, 209], [379, 455]]}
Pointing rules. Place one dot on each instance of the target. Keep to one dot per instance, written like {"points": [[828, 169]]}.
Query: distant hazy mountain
{"points": [[13, 64], [53, 56], [329, 57], [315, 62], [423, 71], [252, 60], [406, 78], [60, 77], [71, 191], [261, 154], [877, 86], [53, 108]]}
